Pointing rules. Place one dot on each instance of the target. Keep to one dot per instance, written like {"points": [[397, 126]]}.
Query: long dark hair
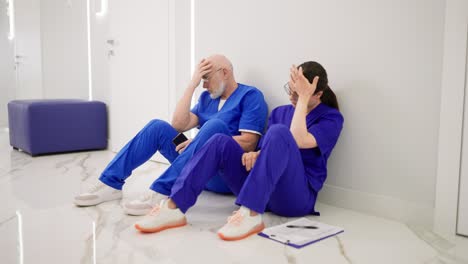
{"points": [[312, 69]]}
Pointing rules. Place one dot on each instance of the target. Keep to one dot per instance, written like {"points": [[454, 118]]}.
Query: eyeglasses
{"points": [[206, 78], [288, 90]]}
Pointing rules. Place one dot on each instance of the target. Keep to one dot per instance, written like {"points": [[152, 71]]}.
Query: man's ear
{"points": [[225, 72], [319, 94]]}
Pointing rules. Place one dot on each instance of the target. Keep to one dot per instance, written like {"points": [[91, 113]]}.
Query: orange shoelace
{"points": [[155, 210], [236, 218]]}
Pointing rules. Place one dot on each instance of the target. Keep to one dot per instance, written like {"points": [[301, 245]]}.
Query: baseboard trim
{"points": [[378, 205]]}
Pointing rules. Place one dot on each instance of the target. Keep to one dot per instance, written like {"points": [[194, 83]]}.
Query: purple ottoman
{"points": [[51, 126]]}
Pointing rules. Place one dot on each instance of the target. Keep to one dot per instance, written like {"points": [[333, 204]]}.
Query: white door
{"points": [[27, 45], [139, 66], [462, 223], [7, 65]]}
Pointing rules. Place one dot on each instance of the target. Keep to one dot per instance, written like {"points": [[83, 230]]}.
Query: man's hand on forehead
{"points": [[205, 62], [207, 65], [203, 69]]}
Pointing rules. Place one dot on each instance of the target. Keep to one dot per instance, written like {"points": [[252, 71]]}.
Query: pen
{"points": [[300, 226], [285, 241]]}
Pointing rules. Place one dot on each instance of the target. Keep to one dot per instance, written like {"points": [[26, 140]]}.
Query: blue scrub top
{"points": [[325, 124], [244, 110]]}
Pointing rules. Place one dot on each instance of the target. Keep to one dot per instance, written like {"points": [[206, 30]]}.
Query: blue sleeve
{"points": [[260, 142], [327, 131], [254, 112], [196, 109]]}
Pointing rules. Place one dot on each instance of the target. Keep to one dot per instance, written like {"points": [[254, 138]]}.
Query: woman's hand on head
{"points": [[299, 83]]}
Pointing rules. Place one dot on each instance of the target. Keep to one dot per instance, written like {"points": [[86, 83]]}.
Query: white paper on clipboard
{"points": [[301, 232]]}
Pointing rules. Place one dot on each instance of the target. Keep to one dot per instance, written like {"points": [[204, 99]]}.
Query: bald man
{"points": [[226, 107]]}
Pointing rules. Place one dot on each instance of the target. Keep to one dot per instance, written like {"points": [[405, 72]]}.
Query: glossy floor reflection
{"points": [[53, 230]]}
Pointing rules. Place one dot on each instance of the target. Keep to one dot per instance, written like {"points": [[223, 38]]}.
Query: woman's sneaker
{"points": [[161, 218], [96, 194], [144, 203], [241, 225]]}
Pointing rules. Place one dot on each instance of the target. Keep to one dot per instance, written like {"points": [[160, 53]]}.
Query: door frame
{"points": [[464, 164], [453, 100]]}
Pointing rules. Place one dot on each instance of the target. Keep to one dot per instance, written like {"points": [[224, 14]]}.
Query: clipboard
{"points": [[301, 232]]}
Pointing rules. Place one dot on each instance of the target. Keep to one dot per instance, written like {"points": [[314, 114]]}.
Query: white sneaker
{"points": [[160, 218], [241, 225], [98, 193], [144, 203]]}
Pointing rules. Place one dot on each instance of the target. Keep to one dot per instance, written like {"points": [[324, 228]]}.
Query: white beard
{"points": [[219, 91]]}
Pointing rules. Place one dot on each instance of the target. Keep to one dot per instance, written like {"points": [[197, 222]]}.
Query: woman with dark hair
{"points": [[283, 176]]}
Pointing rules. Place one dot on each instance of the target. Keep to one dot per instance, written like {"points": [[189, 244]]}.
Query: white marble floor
{"points": [[40, 224]]}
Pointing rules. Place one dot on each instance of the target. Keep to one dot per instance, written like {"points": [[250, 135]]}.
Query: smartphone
{"points": [[179, 139]]}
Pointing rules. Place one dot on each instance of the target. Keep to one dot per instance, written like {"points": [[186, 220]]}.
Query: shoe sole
{"points": [[158, 229], [136, 212], [93, 203], [256, 230]]}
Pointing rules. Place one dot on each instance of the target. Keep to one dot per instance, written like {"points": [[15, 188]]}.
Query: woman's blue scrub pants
{"points": [[277, 182]]}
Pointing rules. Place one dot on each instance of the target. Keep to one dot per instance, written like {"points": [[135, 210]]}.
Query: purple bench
{"points": [[52, 126]]}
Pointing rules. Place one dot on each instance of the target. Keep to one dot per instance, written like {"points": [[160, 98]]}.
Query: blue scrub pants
{"points": [[157, 135], [277, 182]]}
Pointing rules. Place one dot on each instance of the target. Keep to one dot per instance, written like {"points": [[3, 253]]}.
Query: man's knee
{"points": [[157, 125], [214, 124]]}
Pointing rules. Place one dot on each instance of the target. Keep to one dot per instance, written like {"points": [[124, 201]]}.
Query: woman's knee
{"points": [[220, 143], [277, 131], [219, 139]]}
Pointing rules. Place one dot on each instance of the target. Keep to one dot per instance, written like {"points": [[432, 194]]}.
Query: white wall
{"points": [[64, 49], [451, 117], [27, 49], [182, 74], [7, 76], [384, 60], [179, 61], [179, 64], [100, 57], [51, 38]]}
